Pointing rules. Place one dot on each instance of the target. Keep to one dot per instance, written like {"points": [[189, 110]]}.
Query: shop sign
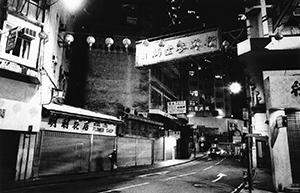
{"points": [[176, 107], [177, 47], [78, 126], [283, 92], [11, 39]]}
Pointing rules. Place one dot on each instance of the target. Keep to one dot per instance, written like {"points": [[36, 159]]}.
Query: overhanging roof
{"points": [[268, 44], [80, 113]]}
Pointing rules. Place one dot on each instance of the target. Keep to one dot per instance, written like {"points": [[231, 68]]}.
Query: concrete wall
{"points": [[280, 159]]}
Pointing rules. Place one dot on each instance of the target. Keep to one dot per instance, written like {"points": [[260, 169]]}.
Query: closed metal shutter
{"points": [[293, 129], [63, 152]]}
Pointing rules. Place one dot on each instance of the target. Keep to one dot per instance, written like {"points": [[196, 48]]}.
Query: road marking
{"points": [[153, 174], [220, 175], [208, 168], [192, 173], [178, 176], [127, 187], [220, 161]]}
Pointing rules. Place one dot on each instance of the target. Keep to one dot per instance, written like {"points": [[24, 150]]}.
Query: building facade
{"points": [[34, 57], [270, 55]]}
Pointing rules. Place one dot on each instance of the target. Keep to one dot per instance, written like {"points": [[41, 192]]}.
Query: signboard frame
{"points": [[150, 52]]}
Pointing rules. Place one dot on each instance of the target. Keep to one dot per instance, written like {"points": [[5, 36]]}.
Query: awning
{"points": [[162, 113], [168, 120], [145, 120], [80, 113]]}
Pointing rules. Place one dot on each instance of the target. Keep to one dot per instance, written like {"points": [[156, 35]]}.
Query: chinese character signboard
{"points": [[177, 47], [283, 92], [176, 107], [78, 126]]}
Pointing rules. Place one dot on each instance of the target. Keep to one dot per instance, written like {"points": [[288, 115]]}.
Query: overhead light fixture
{"points": [[126, 42], [90, 40], [109, 42]]}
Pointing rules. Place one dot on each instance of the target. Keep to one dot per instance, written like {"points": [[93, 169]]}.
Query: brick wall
{"points": [[112, 82]]}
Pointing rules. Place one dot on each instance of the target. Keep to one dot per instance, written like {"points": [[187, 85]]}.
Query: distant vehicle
{"points": [[216, 151]]}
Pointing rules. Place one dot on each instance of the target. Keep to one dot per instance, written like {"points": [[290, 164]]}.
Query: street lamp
{"points": [[235, 87], [70, 4]]}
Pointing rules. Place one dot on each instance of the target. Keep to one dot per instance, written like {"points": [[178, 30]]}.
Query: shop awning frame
{"points": [[80, 113]]}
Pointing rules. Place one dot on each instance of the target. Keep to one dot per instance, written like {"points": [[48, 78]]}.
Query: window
{"points": [[20, 42], [156, 97]]}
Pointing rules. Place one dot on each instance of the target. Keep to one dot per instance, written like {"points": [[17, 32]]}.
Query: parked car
{"points": [[216, 151]]}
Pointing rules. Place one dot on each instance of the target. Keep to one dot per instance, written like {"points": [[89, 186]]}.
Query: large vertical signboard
{"points": [[176, 47]]}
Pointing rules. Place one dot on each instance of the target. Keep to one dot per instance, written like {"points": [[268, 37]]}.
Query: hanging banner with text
{"points": [[177, 47]]}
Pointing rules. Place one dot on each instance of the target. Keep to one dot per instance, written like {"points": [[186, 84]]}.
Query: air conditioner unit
{"points": [[27, 33]]}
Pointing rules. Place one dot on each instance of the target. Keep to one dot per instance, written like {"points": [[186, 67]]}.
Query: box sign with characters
{"points": [[283, 91], [176, 107], [149, 52]]}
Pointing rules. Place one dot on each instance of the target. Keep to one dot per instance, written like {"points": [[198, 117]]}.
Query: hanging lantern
{"points": [[109, 42], [90, 40], [161, 43], [126, 42], [69, 39], [145, 43]]}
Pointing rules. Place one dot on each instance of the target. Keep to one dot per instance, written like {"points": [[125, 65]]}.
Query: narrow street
{"points": [[203, 175]]}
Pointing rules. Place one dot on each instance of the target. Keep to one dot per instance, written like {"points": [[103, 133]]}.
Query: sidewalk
{"points": [[261, 183], [57, 179]]}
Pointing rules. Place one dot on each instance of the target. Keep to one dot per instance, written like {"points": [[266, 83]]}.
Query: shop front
{"points": [[20, 115], [173, 129], [139, 141], [74, 140], [272, 67]]}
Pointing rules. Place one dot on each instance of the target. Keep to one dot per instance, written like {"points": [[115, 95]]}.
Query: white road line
{"points": [[220, 161], [208, 168], [182, 175], [192, 173], [127, 187], [153, 174]]}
